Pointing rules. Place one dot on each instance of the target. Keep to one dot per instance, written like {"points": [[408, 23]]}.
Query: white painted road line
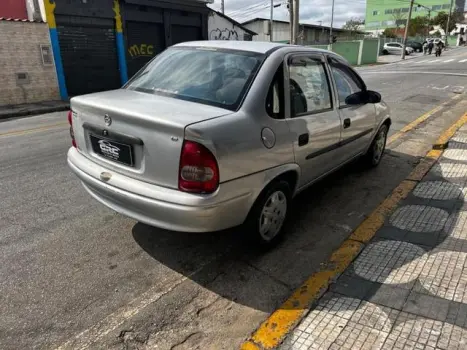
{"points": [[433, 61], [462, 61], [414, 72], [449, 60]]}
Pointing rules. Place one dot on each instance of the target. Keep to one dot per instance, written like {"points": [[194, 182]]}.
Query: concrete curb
{"points": [[281, 322], [27, 112]]}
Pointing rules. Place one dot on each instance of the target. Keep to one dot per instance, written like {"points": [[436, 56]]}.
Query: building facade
{"points": [[309, 34], [393, 13], [222, 27], [15, 9], [99, 44]]}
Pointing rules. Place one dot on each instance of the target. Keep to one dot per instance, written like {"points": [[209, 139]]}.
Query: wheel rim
{"points": [[380, 145], [273, 215]]}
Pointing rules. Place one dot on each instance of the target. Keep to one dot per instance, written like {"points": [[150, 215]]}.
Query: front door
{"points": [[314, 121], [358, 122]]}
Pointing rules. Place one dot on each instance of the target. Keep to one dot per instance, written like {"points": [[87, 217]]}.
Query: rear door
{"points": [[358, 121], [314, 122]]}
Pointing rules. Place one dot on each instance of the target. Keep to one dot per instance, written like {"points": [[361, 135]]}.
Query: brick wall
{"points": [[20, 53]]}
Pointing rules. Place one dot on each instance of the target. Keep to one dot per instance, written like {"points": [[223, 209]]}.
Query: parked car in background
{"points": [[417, 46], [396, 49], [214, 134]]}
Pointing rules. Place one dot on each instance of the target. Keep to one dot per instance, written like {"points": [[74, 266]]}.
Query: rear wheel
{"points": [[265, 222], [385, 52], [376, 151]]}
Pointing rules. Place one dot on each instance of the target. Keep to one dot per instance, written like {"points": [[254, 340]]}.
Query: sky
{"points": [[311, 11]]}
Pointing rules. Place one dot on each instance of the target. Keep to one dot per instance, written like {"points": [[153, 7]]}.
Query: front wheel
{"points": [[265, 222], [376, 151]]}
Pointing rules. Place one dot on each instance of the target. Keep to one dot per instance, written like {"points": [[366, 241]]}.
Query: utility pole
{"points": [[291, 20], [222, 6], [332, 23], [447, 25], [296, 19], [407, 29], [271, 21]]}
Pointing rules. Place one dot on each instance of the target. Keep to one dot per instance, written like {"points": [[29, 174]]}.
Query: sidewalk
{"points": [[13, 111], [384, 59], [408, 287]]}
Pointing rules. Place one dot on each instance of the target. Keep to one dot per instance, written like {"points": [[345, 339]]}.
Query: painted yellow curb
{"points": [[272, 331], [367, 229], [409, 127]]}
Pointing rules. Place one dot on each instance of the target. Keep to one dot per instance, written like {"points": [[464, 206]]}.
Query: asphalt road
{"points": [[74, 274]]}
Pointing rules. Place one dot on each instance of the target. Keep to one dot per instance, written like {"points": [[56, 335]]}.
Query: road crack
{"points": [[195, 336]]}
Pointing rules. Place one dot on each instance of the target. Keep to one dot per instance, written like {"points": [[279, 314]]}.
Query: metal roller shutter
{"points": [[185, 33], [144, 41], [89, 54]]}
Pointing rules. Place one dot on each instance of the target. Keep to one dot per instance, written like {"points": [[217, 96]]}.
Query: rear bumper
{"points": [[165, 208]]}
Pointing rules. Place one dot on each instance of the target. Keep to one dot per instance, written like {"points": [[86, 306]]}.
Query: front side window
{"points": [[309, 86], [209, 76], [347, 82]]}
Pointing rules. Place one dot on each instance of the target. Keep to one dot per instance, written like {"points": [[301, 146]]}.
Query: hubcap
{"points": [[273, 215], [380, 145]]}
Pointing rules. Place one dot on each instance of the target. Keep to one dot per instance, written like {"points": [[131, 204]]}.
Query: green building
{"points": [[382, 14]]}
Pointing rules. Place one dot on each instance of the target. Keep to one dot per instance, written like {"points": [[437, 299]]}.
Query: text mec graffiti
{"points": [[141, 50]]}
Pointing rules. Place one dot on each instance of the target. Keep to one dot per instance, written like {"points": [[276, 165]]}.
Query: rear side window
{"points": [[347, 82], [275, 98]]}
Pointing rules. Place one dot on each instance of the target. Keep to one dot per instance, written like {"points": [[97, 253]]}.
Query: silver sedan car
{"points": [[215, 134]]}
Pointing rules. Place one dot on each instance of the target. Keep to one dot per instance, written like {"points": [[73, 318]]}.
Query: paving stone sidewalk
{"points": [[408, 288]]}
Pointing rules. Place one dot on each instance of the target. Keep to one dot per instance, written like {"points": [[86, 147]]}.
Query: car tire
{"points": [[267, 218], [385, 52], [376, 151]]}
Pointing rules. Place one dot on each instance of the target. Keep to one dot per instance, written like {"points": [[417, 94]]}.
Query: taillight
{"points": [[72, 133], [199, 172]]}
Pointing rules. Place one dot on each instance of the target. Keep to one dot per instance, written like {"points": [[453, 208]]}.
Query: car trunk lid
{"points": [[137, 134]]}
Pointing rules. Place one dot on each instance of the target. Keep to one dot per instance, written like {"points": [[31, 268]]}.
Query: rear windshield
{"points": [[210, 76]]}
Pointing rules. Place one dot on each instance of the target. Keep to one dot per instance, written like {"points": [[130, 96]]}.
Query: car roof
{"points": [[252, 46]]}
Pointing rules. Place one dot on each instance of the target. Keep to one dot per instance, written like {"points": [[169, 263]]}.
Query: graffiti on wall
{"points": [[223, 34], [141, 50]]}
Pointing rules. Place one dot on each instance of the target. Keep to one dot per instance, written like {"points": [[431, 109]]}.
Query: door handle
{"points": [[303, 139], [347, 123]]}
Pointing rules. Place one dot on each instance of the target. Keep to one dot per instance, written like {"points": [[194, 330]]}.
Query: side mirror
{"points": [[373, 96], [363, 97]]}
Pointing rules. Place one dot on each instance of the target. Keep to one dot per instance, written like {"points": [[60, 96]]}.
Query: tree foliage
{"points": [[353, 24], [389, 33], [419, 26], [441, 20]]}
